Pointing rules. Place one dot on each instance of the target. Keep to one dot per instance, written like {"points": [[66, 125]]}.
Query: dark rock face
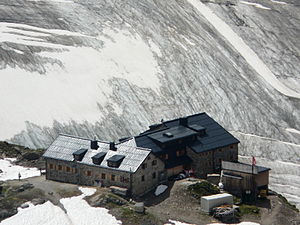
{"points": [[193, 68], [31, 156]]}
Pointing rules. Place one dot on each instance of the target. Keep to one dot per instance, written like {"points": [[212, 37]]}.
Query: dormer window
{"points": [[79, 154], [115, 161], [98, 158]]}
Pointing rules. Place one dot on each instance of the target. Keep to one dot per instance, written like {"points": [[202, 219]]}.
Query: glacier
{"points": [[108, 69]]}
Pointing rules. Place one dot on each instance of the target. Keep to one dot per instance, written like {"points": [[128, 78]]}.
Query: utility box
{"points": [[211, 201]]}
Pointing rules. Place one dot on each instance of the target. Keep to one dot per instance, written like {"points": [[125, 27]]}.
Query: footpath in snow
{"points": [[79, 212], [10, 171], [238, 43]]}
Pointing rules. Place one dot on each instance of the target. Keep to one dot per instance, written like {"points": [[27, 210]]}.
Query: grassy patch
{"points": [[28, 195], [129, 216], [203, 188], [285, 201], [67, 193], [248, 209]]}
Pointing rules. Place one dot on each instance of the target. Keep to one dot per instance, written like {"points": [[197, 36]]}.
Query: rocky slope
{"points": [[110, 68]]}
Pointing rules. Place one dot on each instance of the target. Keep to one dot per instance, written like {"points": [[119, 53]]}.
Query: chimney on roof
{"points": [[94, 145], [112, 146], [183, 121]]}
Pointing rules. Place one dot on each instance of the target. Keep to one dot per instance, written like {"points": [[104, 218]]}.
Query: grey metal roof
{"points": [[243, 167], [64, 146]]}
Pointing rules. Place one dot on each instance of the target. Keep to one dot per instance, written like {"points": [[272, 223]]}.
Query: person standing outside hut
{"points": [[19, 175]]}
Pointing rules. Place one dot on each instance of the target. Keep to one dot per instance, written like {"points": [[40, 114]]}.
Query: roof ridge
{"points": [[136, 147], [188, 116], [82, 138]]}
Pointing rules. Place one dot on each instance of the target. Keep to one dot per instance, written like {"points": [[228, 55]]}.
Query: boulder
{"points": [[27, 186], [20, 189], [139, 207], [103, 199], [24, 187], [38, 201], [3, 213], [24, 205]]}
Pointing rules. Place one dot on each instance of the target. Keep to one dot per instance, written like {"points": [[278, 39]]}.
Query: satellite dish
{"points": [[221, 186]]}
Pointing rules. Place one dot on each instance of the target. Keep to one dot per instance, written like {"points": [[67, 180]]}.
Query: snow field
{"points": [[10, 171], [59, 94]]}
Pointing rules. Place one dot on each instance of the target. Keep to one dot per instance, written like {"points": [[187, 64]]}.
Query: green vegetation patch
{"points": [[69, 192], [203, 188], [248, 209]]}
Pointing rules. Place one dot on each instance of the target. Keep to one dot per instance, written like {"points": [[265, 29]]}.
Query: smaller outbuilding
{"points": [[245, 180], [211, 201]]}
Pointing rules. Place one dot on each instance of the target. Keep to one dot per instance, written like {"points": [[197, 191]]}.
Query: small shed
{"points": [[245, 180], [211, 201]]}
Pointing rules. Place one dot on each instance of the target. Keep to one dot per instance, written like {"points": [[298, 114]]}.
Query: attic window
{"points": [[115, 161], [168, 134], [98, 158], [79, 154]]}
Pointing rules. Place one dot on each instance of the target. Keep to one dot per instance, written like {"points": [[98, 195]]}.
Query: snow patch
{"points": [[279, 2], [79, 212], [292, 130], [188, 41], [255, 4], [177, 223], [87, 191], [160, 189], [181, 45], [238, 43], [10, 171]]}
